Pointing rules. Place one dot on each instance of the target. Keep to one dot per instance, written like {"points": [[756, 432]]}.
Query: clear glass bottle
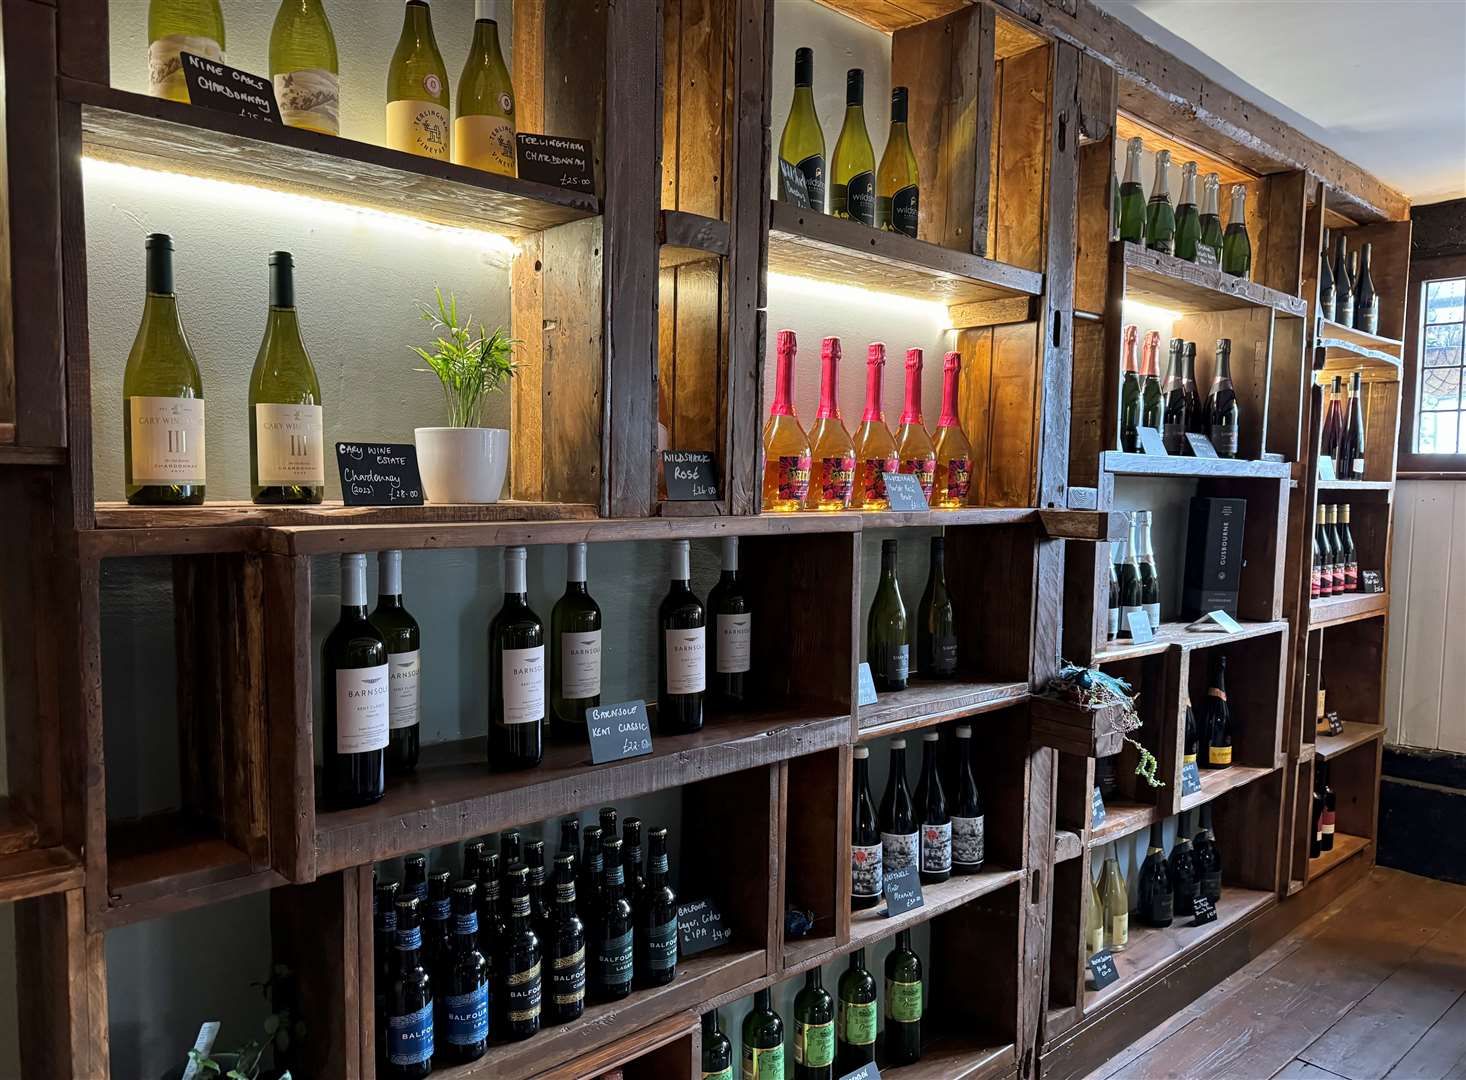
{"points": [[287, 420], [853, 168], [304, 68], [897, 182], [832, 451], [802, 145], [483, 131], [1117, 904], [417, 88], [875, 449], [786, 446], [953, 479], [914, 450]]}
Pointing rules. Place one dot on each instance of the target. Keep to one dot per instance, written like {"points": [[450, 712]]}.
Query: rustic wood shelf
{"points": [[1122, 464], [1357, 487], [806, 243], [1333, 610], [1354, 734], [1123, 817], [1345, 847], [872, 925], [151, 133], [1344, 343], [1175, 633], [1165, 281], [1215, 782], [923, 704], [37, 872], [952, 1058]]}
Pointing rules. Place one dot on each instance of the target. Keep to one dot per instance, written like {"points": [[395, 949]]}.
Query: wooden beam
{"points": [[1440, 229]]}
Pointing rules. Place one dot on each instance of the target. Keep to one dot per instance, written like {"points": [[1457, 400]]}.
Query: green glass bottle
{"points": [[886, 646], [286, 419], [417, 88], [1132, 197], [802, 145], [855, 1026], [1236, 247], [717, 1051], [903, 1003], [303, 67], [179, 26], [1128, 567], [575, 652], [1211, 222], [1129, 394], [936, 621], [355, 699], [814, 1030], [516, 674], [1188, 217], [897, 194], [404, 665], [483, 131], [763, 1040], [1160, 215], [853, 168], [162, 397]]}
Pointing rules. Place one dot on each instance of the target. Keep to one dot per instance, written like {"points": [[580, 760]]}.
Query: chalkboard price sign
{"points": [[1190, 778], [1151, 442], [215, 85], [903, 890], [559, 162], [1102, 970], [1204, 910], [618, 732], [1096, 809], [700, 925], [692, 475], [865, 1072], [904, 491], [379, 474]]}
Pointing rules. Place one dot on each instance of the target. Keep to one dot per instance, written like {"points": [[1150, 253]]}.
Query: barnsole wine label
{"points": [[406, 671], [165, 66], [735, 636], [167, 440], [362, 709], [418, 127], [310, 98], [484, 142], [686, 661], [289, 441], [523, 676], [580, 670]]}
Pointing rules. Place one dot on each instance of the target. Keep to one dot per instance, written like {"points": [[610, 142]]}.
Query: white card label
{"points": [[580, 668], [288, 445], [735, 639], [167, 440], [362, 709], [405, 670], [523, 679], [686, 661]]}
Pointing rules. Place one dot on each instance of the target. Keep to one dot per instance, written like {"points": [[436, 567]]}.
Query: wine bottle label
{"points": [[735, 639], [860, 197], [763, 1064], [523, 681], [896, 664], [485, 142], [813, 168], [959, 479], [409, 940], [686, 661], [1219, 755], [858, 1022], [580, 664], [661, 945], [968, 841], [1119, 929], [403, 671], [793, 477], [567, 978], [814, 1044], [1315, 584], [165, 66], [1225, 440], [466, 924], [1211, 885], [903, 1001], [309, 98], [1173, 437], [288, 445], [613, 960], [1351, 577], [925, 471], [936, 848], [1153, 613], [904, 210], [362, 709], [418, 127], [1114, 627], [524, 995], [721, 1074], [873, 476], [167, 440], [867, 877], [466, 1017], [900, 850], [837, 479], [1094, 939], [944, 656], [410, 1037], [1357, 469]]}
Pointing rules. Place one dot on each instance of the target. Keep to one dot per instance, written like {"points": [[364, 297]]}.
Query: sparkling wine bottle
{"points": [[1151, 405], [1185, 879], [1160, 216], [1150, 576], [1175, 419], [832, 451], [1154, 903], [1236, 247], [1222, 409], [1132, 597], [1217, 721], [953, 477], [1132, 196], [875, 450], [1130, 394], [914, 450], [1211, 220], [786, 447], [1188, 217], [1208, 858]]}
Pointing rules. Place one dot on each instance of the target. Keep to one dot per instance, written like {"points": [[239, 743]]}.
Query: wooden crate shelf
{"points": [[1175, 634], [37, 872], [1215, 782], [1124, 818], [951, 1058], [872, 925], [1120, 463], [1165, 281], [923, 704], [1366, 488], [1357, 348], [1354, 734], [1347, 608], [1345, 847]]}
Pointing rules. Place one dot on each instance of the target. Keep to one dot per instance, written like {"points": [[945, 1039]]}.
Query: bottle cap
{"points": [[862, 752], [952, 361], [964, 732], [898, 744], [913, 359], [830, 349], [930, 736], [875, 353], [787, 342]]}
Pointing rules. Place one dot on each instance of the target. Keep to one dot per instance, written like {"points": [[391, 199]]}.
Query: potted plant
{"points": [[464, 462]]}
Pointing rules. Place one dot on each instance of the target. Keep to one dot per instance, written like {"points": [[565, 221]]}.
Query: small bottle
{"points": [[1223, 411], [415, 881], [1236, 247], [534, 862], [786, 447], [656, 918], [936, 622], [1130, 406], [437, 922], [463, 1001], [933, 817], [855, 1023], [900, 830], [1155, 902], [886, 645], [853, 168], [875, 449], [565, 948], [483, 131], [519, 963], [404, 665], [472, 860], [903, 1003], [631, 859], [1188, 216], [1117, 905], [1132, 197], [814, 1030], [802, 145], [612, 970], [867, 878], [730, 659], [592, 871], [1160, 216], [763, 1040], [1211, 220], [491, 925], [914, 450], [832, 451], [384, 947], [511, 848], [717, 1051], [953, 477], [409, 1000], [516, 673], [417, 88], [897, 193]]}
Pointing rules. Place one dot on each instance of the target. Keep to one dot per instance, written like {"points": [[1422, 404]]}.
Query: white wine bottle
{"points": [[162, 398], [303, 67], [853, 168], [286, 420], [417, 88], [802, 146], [179, 26], [483, 133], [896, 181]]}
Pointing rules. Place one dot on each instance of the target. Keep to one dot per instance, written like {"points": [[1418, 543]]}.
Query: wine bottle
{"points": [[914, 450], [953, 477], [162, 397], [303, 67], [180, 26], [886, 646], [1211, 220], [565, 947], [415, 881], [1366, 300], [786, 447], [814, 1030], [592, 872], [1343, 283], [384, 948], [853, 168], [1196, 418], [1191, 737], [1160, 216], [519, 963], [1236, 247], [1315, 818], [897, 194], [463, 1002], [287, 461], [933, 818], [409, 999], [417, 88], [1113, 614], [1336, 550], [875, 450], [967, 816], [1105, 776], [903, 1002], [1185, 879], [1130, 394], [613, 969], [1328, 820], [1154, 902], [1151, 405], [1117, 905], [1174, 418], [1349, 553], [575, 651], [1318, 575], [763, 1040], [1349, 454], [1326, 294], [404, 664], [516, 673], [355, 705], [1321, 707], [1114, 205], [1217, 724], [900, 830], [855, 1023], [1188, 217], [1150, 576], [682, 645], [1132, 598], [1094, 920], [936, 623], [1223, 412], [1208, 858], [867, 878], [802, 145], [483, 130], [1132, 197], [731, 656], [717, 1051], [437, 924], [1333, 420], [656, 918], [832, 451]]}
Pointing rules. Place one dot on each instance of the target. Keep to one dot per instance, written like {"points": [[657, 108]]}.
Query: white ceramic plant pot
{"points": [[463, 464]]}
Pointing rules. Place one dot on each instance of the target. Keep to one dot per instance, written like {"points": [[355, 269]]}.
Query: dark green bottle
{"points": [[1188, 217], [763, 1040], [463, 987], [730, 649], [903, 1003], [936, 622], [519, 963], [355, 705], [1132, 197], [656, 916], [886, 646], [1236, 247], [575, 652], [855, 1025], [717, 1051], [1130, 394], [1211, 221], [1160, 215], [565, 948], [611, 974], [1208, 858], [516, 673], [1185, 883], [682, 648], [814, 1030]]}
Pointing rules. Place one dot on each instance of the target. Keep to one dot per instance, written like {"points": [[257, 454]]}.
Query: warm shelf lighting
{"points": [[1139, 311], [834, 292], [270, 201]]}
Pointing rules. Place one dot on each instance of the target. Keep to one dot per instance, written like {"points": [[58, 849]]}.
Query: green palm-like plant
{"points": [[469, 362]]}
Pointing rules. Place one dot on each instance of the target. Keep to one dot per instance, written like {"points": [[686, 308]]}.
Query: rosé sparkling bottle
{"points": [[913, 444], [832, 470], [786, 447], [875, 450], [954, 452]]}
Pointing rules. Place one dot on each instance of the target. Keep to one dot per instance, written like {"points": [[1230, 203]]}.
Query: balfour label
{"points": [[410, 1037], [403, 670], [866, 876], [167, 440], [735, 638], [418, 127], [614, 959], [466, 1017], [763, 1064], [904, 210], [288, 445], [165, 66], [523, 677], [484, 142], [936, 848], [858, 1022], [861, 197], [580, 668], [837, 479], [362, 709], [793, 477], [903, 1001], [967, 841], [661, 945], [686, 660], [309, 98], [524, 995], [814, 1044], [567, 978], [900, 850]]}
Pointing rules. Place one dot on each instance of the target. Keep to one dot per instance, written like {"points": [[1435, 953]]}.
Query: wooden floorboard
{"points": [[1441, 1050]]}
